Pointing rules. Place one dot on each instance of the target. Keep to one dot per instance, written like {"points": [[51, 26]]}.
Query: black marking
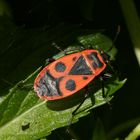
{"points": [[70, 85], [94, 65], [105, 56], [97, 63], [80, 67], [60, 67], [42, 88], [74, 58], [49, 86], [85, 77], [26, 126]]}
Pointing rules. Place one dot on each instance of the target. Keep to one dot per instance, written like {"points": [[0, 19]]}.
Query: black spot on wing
{"points": [[60, 67], [70, 85], [96, 61], [49, 86], [80, 67]]}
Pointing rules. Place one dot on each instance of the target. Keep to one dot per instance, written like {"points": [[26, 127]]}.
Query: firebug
{"points": [[72, 72], [69, 74]]}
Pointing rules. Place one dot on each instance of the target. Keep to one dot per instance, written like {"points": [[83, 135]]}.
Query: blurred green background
{"points": [[23, 25]]}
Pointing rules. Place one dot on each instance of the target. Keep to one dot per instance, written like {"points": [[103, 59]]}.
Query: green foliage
{"points": [[134, 134], [98, 131], [27, 32], [21, 109], [25, 116]]}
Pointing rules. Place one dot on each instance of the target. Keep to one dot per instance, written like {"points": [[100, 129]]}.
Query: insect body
{"points": [[69, 74]]}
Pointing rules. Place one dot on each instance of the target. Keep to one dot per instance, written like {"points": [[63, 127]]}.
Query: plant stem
{"points": [[133, 24], [134, 134], [123, 127]]}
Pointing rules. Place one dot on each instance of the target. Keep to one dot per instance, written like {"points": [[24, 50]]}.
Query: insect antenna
{"points": [[115, 38], [58, 47], [7, 82]]}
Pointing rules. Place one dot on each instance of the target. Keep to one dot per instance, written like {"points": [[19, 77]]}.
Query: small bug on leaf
{"points": [[69, 74]]}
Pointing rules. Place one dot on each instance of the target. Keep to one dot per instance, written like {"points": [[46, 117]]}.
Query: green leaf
{"points": [[123, 127], [98, 131], [134, 134], [23, 109], [99, 41], [25, 116]]}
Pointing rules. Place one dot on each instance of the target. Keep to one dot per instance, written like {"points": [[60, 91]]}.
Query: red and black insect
{"points": [[71, 73]]}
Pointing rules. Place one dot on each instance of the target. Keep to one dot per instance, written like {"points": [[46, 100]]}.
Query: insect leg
{"points": [[69, 50], [68, 130], [58, 48], [47, 61], [102, 84], [102, 77], [74, 112]]}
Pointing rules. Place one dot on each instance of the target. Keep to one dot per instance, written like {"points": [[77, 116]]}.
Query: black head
{"points": [[105, 56]]}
